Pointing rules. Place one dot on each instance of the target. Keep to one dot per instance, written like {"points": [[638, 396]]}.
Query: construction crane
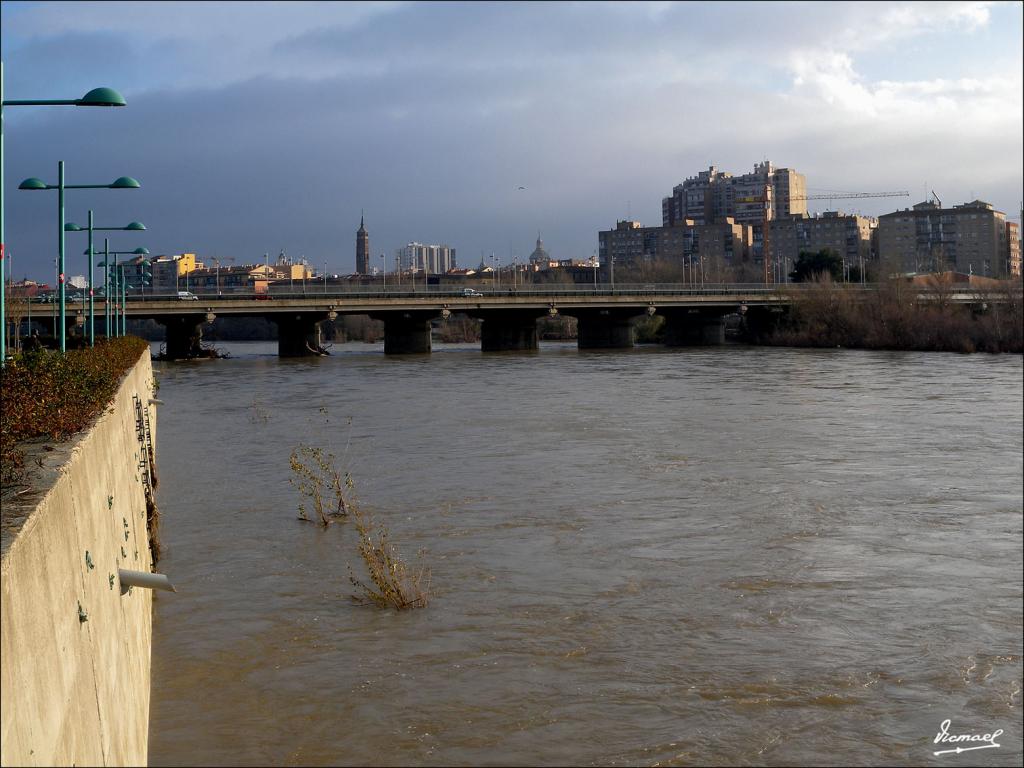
{"points": [[766, 198]]}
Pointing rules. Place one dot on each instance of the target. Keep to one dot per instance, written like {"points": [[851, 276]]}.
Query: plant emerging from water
{"points": [[315, 475], [392, 582], [258, 413]]}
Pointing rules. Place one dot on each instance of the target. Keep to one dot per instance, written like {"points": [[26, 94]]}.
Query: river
{"points": [[731, 555]]}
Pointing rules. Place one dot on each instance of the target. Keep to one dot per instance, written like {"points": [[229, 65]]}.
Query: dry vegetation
{"points": [[315, 475], [899, 315], [53, 395], [391, 582]]}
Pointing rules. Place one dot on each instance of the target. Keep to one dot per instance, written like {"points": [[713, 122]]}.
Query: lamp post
{"points": [[113, 283], [123, 324], [135, 226], [143, 281], [114, 314], [124, 182], [384, 271], [97, 97]]}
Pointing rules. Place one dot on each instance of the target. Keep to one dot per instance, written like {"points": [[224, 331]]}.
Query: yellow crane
{"points": [[766, 198]]}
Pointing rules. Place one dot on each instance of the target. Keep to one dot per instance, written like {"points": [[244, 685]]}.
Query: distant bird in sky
{"points": [[522, 187]]}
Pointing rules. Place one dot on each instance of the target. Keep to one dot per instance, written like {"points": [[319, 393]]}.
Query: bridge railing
{"points": [[502, 291], [285, 293]]}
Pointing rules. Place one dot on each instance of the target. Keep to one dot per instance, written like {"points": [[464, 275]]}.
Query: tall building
{"points": [[362, 248], [971, 238], [700, 198], [713, 195], [435, 259]]}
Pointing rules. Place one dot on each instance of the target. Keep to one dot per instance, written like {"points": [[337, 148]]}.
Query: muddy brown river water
{"points": [[727, 556]]}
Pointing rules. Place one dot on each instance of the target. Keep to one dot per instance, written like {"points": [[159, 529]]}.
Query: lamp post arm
{"points": [[41, 102], [79, 186]]}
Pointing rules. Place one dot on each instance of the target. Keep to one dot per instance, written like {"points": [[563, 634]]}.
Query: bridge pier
{"points": [[406, 333], [509, 331], [184, 335], [605, 328], [298, 335], [694, 328], [760, 322]]}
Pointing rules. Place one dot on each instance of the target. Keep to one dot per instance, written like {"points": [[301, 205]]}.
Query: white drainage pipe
{"points": [[144, 580]]}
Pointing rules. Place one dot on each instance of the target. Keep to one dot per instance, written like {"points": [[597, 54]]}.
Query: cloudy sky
{"points": [[258, 127]]}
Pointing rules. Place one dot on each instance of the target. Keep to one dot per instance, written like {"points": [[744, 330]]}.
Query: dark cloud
{"points": [[430, 117]]}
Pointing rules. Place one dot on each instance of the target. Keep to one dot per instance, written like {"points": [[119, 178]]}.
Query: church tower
{"points": [[362, 248]]}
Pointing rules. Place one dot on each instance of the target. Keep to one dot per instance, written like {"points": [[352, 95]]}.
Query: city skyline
{"points": [[257, 128]]}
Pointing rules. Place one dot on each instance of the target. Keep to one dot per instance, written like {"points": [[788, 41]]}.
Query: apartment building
{"points": [[848, 236], [170, 271], [630, 243], [972, 238], [713, 195], [1013, 247], [435, 259]]}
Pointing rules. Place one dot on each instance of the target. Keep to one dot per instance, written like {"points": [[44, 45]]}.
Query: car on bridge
{"points": [[471, 292], [187, 296]]}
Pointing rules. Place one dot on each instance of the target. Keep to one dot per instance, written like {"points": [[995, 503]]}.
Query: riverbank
{"points": [[75, 672], [893, 318]]}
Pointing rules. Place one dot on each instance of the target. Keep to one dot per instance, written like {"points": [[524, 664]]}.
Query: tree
{"points": [[815, 266]]}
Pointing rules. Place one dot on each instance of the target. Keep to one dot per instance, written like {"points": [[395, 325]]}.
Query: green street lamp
{"points": [[135, 226], [97, 97], [112, 283], [124, 182]]}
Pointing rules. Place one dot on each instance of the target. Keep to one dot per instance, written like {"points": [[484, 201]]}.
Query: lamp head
{"points": [[32, 183], [136, 226], [72, 227], [101, 97], [125, 182], [141, 251]]}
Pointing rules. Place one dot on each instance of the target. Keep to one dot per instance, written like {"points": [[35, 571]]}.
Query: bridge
{"points": [[509, 316], [694, 315]]}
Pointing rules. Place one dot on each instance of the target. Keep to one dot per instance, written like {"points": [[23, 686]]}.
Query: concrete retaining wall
{"points": [[74, 687]]}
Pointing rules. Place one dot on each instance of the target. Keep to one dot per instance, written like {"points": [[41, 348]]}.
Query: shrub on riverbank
{"points": [[895, 317], [54, 395]]}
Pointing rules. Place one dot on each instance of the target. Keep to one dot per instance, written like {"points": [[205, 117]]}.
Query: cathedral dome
{"points": [[539, 253]]}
